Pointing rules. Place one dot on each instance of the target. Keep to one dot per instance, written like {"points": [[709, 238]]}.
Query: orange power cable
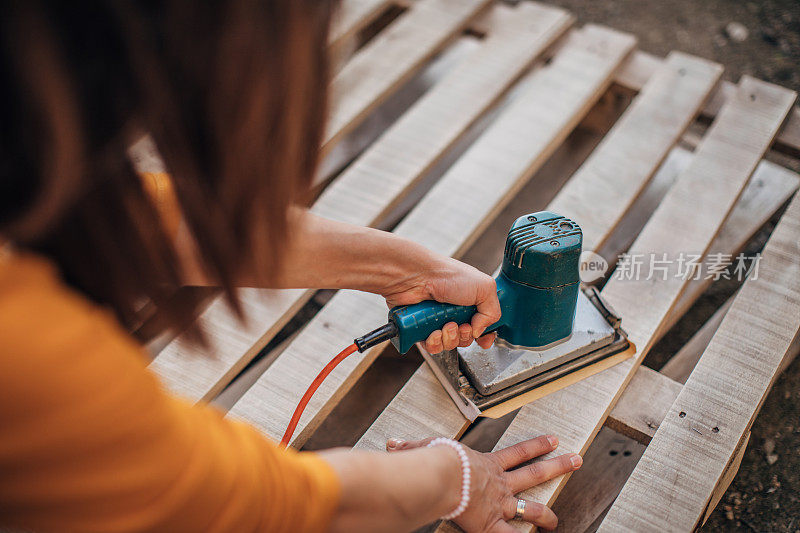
{"points": [[311, 390]]}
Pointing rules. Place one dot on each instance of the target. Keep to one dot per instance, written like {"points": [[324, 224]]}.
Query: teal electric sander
{"points": [[549, 326]]}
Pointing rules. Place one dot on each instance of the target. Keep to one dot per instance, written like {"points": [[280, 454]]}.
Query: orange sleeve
{"points": [[91, 442]]}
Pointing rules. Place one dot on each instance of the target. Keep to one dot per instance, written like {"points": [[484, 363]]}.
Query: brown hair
{"points": [[233, 93]]}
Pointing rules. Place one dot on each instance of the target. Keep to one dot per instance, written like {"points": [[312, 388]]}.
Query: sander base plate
{"points": [[478, 379]]}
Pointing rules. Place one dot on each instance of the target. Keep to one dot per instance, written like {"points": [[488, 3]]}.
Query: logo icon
{"points": [[593, 266]]}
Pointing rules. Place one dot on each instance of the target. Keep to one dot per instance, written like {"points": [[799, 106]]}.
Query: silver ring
{"points": [[520, 509]]}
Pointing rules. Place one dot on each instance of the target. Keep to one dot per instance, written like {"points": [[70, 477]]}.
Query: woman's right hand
{"points": [[498, 476]]}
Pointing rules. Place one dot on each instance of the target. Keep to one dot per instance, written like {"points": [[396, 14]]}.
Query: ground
{"points": [[761, 39]]}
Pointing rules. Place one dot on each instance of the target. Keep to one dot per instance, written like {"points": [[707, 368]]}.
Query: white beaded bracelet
{"points": [[465, 475]]}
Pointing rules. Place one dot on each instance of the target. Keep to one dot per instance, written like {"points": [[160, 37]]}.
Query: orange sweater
{"points": [[91, 442]]}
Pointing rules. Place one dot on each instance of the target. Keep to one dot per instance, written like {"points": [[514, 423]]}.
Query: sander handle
{"points": [[416, 322]]}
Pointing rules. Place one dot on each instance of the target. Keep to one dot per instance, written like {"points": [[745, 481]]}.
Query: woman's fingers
{"points": [[535, 513], [488, 306], [450, 336], [501, 526], [533, 474], [443, 339], [434, 342], [525, 451], [486, 341], [464, 335], [395, 445]]}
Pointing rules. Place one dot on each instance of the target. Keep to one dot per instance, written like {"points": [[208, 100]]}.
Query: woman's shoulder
{"points": [[39, 312]]}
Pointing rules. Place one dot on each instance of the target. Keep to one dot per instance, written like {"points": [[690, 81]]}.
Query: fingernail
{"points": [[576, 461], [553, 440], [395, 443]]}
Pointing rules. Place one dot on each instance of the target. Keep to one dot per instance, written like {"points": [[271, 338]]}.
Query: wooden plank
{"points": [[772, 185], [371, 187], [643, 405], [642, 65], [680, 365], [591, 490], [392, 57], [352, 16], [199, 374], [424, 134], [457, 209], [672, 484], [512, 148], [688, 218], [727, 476], [622, 165]]}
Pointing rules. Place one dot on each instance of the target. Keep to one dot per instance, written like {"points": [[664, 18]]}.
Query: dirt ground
{"points": [[761, 39]]}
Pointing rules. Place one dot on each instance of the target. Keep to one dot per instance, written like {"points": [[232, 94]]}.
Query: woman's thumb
{"points": [[488, 309]]}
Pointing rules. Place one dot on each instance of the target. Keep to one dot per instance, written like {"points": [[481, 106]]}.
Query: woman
{"points": [[233, 94]]}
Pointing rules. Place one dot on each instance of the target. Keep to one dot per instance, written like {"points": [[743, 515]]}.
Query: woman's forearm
{"points": [[394, 492], [324, 253]]}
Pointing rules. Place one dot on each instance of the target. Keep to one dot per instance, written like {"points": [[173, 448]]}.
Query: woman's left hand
{"points": [[498, 476], [451, 281]]}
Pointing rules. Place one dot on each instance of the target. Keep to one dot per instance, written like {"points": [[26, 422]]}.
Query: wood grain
{"points": [[771, 186], [643, 405], [688, 218], [621, 166], [423, 135], [447, 220], [642, 65], [680, 366], [591, 490], [511, 150], [672, 484], [352, 16], [392, 57], [370, 187]]}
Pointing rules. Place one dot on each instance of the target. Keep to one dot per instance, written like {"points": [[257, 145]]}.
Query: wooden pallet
{"points": [[457, 132]]}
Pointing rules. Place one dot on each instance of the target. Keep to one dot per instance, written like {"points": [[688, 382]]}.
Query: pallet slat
{"points": [[423, 135], [643, 405], [622, 165], [642, 65], [474, 188], [671, 486], [392, 57], [770, 187], [370, 187], [352, 16], [688, 218]]}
